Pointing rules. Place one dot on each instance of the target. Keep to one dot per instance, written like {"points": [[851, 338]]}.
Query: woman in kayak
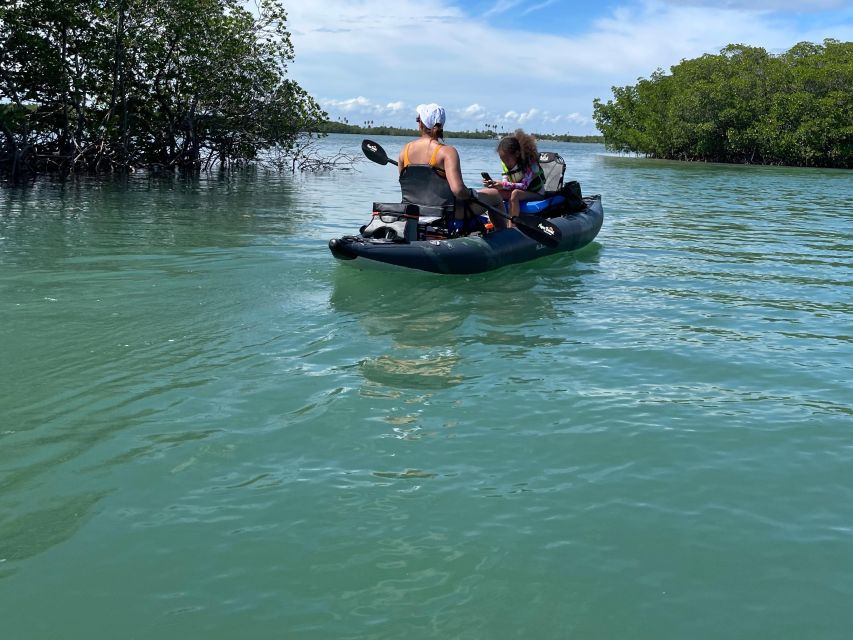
{"points": [[430, 173], [523, 178]]}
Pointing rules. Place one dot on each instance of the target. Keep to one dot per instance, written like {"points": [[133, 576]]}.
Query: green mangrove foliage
{"points": [[106, 85], [743, 105]]}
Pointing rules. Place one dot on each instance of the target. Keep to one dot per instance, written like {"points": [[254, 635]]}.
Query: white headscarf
{"points": [[431, 114]]}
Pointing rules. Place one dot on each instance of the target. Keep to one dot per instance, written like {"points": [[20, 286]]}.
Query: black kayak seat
{"points": [[427, 214], [422, 185]]}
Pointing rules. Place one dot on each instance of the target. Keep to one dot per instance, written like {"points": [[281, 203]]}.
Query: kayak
{"points": [[482, 250]]}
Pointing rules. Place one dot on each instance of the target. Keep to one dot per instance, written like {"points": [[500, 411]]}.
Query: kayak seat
{"points": [[568, 200], [427, 214], [404, 221], [396, 222]]}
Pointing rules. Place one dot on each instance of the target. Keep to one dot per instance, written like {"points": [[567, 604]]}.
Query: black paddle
{"points": [[539, 229], [375, 152]]}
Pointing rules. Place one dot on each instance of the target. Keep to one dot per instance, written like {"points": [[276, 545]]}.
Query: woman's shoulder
{"points": [[448, 151]]}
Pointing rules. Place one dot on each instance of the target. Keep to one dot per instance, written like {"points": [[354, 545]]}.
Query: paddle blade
{"points": [[539, 229], [375, 152]]}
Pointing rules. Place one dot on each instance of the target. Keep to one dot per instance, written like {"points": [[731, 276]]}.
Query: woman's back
{"points": [[423, 151], [422, 179], [429, 169]]}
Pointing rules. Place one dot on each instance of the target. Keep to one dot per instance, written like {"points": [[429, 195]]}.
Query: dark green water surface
{"points": [[209, 428]]}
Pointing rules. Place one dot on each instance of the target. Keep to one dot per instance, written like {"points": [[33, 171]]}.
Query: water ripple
{"points": [[200, 401]]}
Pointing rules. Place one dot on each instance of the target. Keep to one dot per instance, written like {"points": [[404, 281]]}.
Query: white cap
{"points": [[431, 115]]}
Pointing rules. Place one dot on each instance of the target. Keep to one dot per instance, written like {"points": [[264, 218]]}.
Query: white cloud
{"points": [[472, 113], [397, 56], [537, 7], [763, 5], [528, 115], [501, 6], [351, 104], [362, 107]]}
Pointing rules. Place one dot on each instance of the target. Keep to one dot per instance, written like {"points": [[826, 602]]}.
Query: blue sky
{"points": [[537, 64]]}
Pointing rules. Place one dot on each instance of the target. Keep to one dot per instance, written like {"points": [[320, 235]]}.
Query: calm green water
{"points": [[211, 429]]}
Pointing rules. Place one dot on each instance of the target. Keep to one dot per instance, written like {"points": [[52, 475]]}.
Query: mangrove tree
{"points": [[742, 105], [109, 85]]}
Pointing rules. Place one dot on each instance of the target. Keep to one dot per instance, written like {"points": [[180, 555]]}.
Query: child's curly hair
{"points": [[522, 146]]}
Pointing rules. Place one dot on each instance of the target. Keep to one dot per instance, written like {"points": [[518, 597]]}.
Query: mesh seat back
{"points": [[555, 168]]}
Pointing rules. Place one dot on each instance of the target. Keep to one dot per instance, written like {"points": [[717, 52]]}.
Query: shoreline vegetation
{"points": [[194, 85], [488, 133], [169, 85], [742, 106]]}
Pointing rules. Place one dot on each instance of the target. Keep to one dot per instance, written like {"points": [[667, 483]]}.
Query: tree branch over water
{"points": [[179, 85]]}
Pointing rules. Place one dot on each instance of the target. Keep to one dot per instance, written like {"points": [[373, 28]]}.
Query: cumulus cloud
{"points": [[362, 107], [528, 115], [350, 104], [473, 113], [391, 55]]}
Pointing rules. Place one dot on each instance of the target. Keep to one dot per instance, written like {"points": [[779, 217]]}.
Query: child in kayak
{"points": [[523, 178]]}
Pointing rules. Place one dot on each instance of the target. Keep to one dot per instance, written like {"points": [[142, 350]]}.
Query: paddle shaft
{"points": [[538, 228]]}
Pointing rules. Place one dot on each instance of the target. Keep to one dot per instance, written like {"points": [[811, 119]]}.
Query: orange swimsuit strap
{"points": [[435, 154], [432, 159]]}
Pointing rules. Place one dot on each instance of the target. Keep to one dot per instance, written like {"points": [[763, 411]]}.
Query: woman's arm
{"points": [[453, 171]]}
